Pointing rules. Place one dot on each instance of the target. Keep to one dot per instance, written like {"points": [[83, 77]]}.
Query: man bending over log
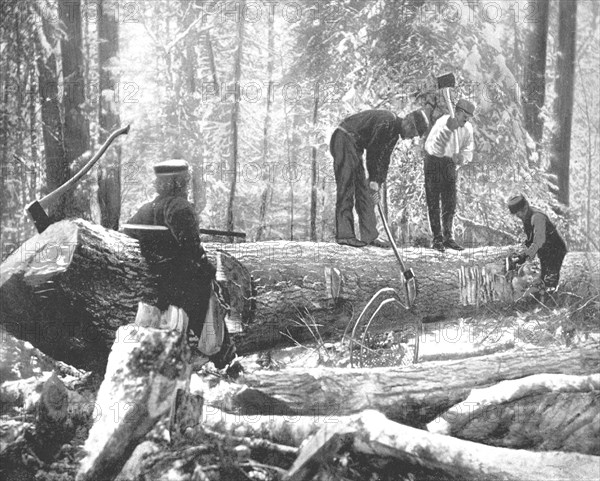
{"points": [[176, 256], [377, 132], [542, 239]]}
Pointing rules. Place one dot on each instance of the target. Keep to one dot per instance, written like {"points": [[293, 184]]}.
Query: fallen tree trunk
{"points": [[142, 375], [414, 395], [432, 456], [68, 289], [544, 412]]}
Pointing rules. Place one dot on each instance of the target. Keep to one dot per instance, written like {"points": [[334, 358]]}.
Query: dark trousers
{"points": [[352, 189], [184, 286], [551, 264], [440, 186]]}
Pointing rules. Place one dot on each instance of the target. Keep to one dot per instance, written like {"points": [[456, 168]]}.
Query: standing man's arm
{"points": [[467, 146], [379, 153], [439, 138]]}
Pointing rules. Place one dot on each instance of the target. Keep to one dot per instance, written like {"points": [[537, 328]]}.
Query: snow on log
{"points": [[145, 368], [436, 456], [543, 412]]}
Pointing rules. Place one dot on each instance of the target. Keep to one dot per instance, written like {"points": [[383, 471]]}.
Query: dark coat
{"points": [[176, 257], [377, 132]]}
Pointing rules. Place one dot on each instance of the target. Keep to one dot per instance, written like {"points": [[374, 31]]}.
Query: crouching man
{"points": [[175, 254], [542, 239]]}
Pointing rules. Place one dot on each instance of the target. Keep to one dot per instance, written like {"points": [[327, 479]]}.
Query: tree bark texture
{"points": [[56, 165], [144, 369], [298, 281], [535, 72], [76, 126], [414, 395], [563, 104], [68, 289], [109, 170], [543, 412]]}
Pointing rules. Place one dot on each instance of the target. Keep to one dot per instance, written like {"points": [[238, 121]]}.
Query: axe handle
{"points": [[446, 92], [72, 182], [389, 234]]}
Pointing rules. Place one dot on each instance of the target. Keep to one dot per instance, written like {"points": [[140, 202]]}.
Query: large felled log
{"points": [[434, 456], [68, 289], [142, 375], [332, 283], [543, 412], [414, 395]]}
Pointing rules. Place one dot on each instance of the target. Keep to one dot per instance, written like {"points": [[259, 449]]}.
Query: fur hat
{"points": [[464, 104], [516, 203], [171, 167]]}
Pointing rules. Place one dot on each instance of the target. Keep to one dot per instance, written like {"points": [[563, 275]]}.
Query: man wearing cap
{"points": [[376, 132], [450, 143], [176, 256], [542, 239]]}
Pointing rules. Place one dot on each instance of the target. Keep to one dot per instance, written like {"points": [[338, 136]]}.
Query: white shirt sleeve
{"points": [[441, 142]]}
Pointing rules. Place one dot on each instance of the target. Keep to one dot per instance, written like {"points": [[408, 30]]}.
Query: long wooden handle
{"points": [[389, 234], [72, 182], [446, 93]]}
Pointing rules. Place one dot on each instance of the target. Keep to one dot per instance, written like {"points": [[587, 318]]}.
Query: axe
{"points": [[445, 82], [410, 283], [37, 208]]}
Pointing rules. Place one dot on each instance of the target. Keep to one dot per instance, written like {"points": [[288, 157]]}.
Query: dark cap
{"points": [[421, 121], [171, 167], [464, 104], [516, 203]]}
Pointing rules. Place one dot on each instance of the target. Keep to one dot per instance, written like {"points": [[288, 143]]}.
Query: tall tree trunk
{"points": [[313, 177], [266, 194], [4, 122], [76, 126], [211, 62], [190, 66], [535, 73], [33, 132], [563, 105], [56, 164], [109, 170], [20, 127], [235, 119]]}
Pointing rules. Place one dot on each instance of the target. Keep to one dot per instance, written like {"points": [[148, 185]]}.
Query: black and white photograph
{"points": [[299, 240]]}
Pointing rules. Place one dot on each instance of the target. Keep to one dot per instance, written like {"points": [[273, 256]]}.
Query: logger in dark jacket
{"points": [[176, 256], [376, 132], [542, 239]]}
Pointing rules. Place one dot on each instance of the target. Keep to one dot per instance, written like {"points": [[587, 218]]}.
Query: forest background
{"points": [[249, 93]]}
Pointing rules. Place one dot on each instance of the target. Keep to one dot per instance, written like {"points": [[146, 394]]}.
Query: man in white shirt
{"points": [[449, 143]]}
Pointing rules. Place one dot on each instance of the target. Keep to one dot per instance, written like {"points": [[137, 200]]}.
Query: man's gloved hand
{"points": [[374, 188], [514, 261], [452, 123], [458, 159], [520, 258]]}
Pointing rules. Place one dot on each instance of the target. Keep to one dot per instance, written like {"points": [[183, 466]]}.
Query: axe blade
{"points": [[446, 81], [39, 216]]}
